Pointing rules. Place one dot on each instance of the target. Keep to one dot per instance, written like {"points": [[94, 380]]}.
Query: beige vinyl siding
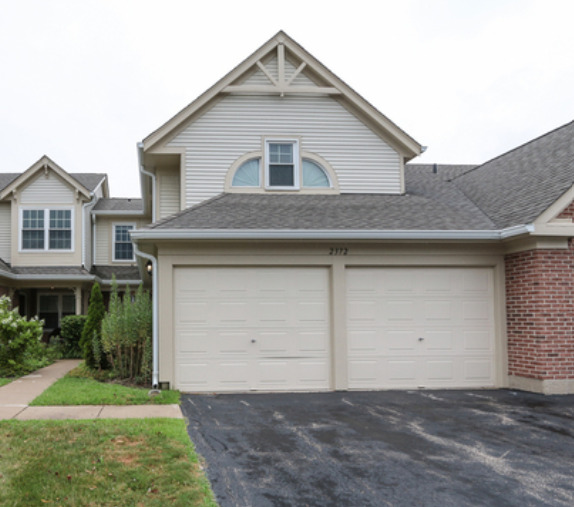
{"points": [[364, 163], [47, 189], [5, 233], [169, 192], [104, 237], [103, 241]]}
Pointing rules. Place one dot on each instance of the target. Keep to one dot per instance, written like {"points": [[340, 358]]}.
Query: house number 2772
{"points": [[338, 251]]}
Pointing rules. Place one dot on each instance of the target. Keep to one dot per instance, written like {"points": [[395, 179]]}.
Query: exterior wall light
{"points": [[149, 268]]}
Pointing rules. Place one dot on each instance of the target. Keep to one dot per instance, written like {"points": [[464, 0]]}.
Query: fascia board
{"points": [[191, 234], [103, 281], [56, 278], [118, 214]]}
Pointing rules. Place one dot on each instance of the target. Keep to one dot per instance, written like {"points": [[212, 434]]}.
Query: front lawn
{"points": [[4, 381], [136, 462], [86, 391]]}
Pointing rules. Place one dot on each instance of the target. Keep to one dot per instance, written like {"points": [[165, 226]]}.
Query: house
{"points": [[293, 243], [59, 233], [294, 247]]}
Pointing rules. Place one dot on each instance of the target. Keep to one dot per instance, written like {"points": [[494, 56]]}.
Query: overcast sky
{"points": [[84, 81]]}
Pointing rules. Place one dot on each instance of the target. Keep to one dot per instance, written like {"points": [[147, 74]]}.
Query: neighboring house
{"points": [[293, 248], [49, 259]]}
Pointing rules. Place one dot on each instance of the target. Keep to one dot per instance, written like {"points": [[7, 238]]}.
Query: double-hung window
{"points": [[282, 164], [46, 229], [123, 248]]}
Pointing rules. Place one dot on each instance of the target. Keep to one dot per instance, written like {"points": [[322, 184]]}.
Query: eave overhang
{"points": [[300, 234]]}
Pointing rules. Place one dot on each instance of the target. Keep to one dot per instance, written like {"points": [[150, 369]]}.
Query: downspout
{"points": [[155, 313], [151, 175], [84, 228]]}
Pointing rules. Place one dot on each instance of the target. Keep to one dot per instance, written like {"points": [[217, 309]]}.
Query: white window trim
{"points": [[296, 162], [114, 225], [46, 248]]}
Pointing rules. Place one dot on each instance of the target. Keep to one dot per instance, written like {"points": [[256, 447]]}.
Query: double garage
{"points": [[340, 326]]}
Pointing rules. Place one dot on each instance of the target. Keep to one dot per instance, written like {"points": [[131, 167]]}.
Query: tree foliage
{"points": [[68, 343], [91, 341], [126, 334], [20, 348]]}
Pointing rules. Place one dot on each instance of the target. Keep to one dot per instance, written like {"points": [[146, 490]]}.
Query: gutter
{"points": [[155, 314], [317, 234], [55, 278], [152, 176], [91, 202]]}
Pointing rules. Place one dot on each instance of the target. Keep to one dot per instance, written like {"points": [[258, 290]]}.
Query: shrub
{"points": [[68, 343], [126, 334], [91, 340], [20, 348]]}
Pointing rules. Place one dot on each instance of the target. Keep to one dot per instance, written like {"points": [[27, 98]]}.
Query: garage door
{"points": [[240, 329], [412, 328]]}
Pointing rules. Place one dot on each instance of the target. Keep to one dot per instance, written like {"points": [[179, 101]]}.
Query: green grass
{"points": [[87, 391], [4, 381], [147, 462]]}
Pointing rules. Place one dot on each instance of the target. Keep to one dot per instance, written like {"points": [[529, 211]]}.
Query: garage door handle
{"points": [[421, 339], [253, 340]]}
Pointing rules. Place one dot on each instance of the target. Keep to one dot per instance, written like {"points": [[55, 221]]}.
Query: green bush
{"points": [[126, 334], [91, 340], [20, 348], [68, 343]]}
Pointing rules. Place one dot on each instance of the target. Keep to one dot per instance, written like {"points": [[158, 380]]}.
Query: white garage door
{"points": [[427, 327], [240, 329]]}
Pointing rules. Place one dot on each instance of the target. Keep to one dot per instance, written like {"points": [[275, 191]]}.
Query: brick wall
{"points": [[539, 306]]}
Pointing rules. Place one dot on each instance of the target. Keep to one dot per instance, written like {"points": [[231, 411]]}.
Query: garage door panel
{"points": [[254, 328], [479, 341], [436, 329]]}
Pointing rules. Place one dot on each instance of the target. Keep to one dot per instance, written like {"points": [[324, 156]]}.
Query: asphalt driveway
{"points": [[459, 448]]}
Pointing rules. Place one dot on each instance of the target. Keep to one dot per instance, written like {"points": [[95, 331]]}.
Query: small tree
{"points": [[91, 341]]}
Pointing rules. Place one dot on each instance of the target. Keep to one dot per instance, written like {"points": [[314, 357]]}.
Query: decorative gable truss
{"points": [[275, 74]]}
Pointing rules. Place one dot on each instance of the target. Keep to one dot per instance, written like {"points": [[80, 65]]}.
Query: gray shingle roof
{"points": [[6, 179], [119, 204], [121, 272], [517, 187], [431, 203], [512, 189], [88, 180]]}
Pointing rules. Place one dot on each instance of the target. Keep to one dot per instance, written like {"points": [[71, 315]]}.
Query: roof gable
{"points": [[282, 67], [44, 164]]}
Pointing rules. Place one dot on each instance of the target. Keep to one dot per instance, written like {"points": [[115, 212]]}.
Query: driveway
{"points": [[459, 448]]}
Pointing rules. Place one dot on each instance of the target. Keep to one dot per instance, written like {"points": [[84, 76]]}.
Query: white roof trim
{"points": [[330, 234], [118, 212]]}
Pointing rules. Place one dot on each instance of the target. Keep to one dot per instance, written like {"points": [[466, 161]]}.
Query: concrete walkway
{"points": [[16, 396]]}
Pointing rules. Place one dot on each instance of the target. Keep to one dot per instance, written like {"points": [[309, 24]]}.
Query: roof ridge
{"points": [[516, 148]]}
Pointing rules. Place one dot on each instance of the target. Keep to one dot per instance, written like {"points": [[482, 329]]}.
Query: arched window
{"points": [[247, 174], [314, 175]]}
